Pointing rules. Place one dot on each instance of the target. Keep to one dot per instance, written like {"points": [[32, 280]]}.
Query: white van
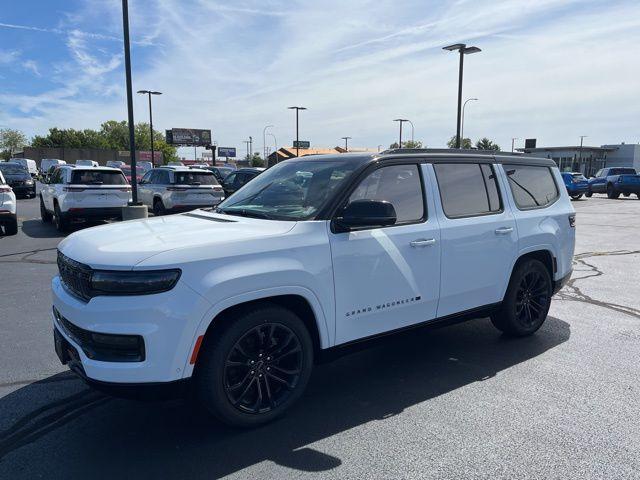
{"points": [[115, 163], [47, 163], [27, 163], [86, 163]]}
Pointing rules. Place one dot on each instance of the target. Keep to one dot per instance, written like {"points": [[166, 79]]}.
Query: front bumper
{"points": [[23, 189], [166, 322], [577, 190]]}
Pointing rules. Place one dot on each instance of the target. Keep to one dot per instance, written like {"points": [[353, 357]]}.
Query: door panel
{"points": [[382, 281]]}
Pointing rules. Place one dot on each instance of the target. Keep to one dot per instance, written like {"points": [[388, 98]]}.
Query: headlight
{"points": [[142, 282]]}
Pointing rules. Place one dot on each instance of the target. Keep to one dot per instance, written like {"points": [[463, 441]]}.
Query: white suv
{"points": [[83, 193], [8, 216], [314, 254], [178, 189]]}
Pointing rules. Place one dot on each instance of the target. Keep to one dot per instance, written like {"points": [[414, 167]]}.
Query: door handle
{"points": [[423, 242], [504, 230]]}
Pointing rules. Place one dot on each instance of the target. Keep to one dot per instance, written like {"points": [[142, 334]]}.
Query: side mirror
{"points": [[366, 214]]}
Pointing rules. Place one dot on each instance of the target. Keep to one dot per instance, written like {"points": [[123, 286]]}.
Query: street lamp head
{"points": [[153, 92], [297, 108], [469, 50], [150, 92], [400, 120], [144, 92], [454, 47]]}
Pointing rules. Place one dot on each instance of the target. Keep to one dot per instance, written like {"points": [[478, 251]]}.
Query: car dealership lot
{"points": [[456, 402]]}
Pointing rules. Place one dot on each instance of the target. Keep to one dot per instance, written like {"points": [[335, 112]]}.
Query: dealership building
{"points": [[588, 160]]}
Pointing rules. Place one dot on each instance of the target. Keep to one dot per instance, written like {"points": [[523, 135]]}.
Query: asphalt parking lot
{"points": [[459, 402]]}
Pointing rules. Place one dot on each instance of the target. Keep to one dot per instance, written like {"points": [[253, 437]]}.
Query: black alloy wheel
{"points": [[263, 368], [158, 208], [611, 193], [532, 298]]}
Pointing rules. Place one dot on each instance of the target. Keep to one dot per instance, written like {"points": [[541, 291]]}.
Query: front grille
{"points": [[105, 347], [75, 276]]}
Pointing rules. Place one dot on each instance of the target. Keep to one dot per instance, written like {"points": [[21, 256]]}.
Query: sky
{"points": [[549, 69]]}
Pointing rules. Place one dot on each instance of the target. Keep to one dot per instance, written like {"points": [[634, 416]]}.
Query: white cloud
{"points": [[31, 66]]}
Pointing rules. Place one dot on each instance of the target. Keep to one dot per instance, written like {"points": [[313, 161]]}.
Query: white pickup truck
{"points": [[313, 255]]}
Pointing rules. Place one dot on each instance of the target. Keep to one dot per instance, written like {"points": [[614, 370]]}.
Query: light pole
{"points": [[275, 147], [132, 135], [149, 93], [264, 141], [582, 137], [463, 50], [346, 143], [297, 109], [247, 142], [462, 125], [512, 142], [401, 121]]}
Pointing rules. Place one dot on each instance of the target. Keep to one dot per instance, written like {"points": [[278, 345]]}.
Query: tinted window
{"points": [[531, 186], [13, 169], [622, 171], [467, 189], [97, 177], [195, 178], [399, 185]]}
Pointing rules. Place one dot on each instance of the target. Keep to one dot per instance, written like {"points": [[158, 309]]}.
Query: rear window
{"points": [[577, 177], [195, 178], [467, 189], [622, 171], [97, 177], [13, 168], [532, 187]]}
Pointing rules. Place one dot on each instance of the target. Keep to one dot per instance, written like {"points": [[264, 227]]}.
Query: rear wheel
{"points": [[526, 303], [158, 207], [256, 368], [611, 192], [588, 194], [44, 214], [576, 197], [58, 219], [11, 227]]}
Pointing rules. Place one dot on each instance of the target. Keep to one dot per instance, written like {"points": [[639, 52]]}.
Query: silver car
{"points": [[174, 189]]}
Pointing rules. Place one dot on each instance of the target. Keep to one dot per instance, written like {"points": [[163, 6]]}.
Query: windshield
{"points": [[292, 190], [97, 177], [13, 169], [195, 178], [622, 171], [577, 177]]}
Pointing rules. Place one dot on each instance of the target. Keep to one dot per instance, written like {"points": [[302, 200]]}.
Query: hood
{"points": [[123, 245]]}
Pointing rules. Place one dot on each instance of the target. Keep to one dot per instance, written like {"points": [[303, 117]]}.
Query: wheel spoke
{"points": [[233, 363], [279, 380], [267, 389], [244, 392], [236, 386], [286, 371], [295, 349]]}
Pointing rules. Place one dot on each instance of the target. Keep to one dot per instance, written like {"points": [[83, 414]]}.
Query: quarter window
{"points": [[531, 186], [399, 185], [467, 189]]}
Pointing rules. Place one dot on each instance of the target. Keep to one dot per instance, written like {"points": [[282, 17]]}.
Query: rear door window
{"points": [[97, 177], [467, 189], [531, 186]]}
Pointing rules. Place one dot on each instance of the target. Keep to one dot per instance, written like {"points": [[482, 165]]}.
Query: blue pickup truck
{"points": [[615, 180], [576, 184]]}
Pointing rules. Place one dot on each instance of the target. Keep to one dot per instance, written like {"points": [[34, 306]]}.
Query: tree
{"points": [[464, 143], [256, 160], [486, 144], [11, 140], [408, 144]]}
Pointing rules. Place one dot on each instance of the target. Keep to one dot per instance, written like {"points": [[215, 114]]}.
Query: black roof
{"points": [[433, 155]]}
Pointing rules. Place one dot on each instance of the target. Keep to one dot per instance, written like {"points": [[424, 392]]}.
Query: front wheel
{"points": [[58, 220], [158, 208], [256, 367], [44, 214], [611, 192], [588, 194], [527, 301], [576, 197]]}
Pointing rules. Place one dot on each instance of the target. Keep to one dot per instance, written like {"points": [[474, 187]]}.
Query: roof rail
{"points": [[474, 151]]}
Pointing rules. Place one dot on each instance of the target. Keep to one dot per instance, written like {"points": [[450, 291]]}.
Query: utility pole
{"points": [[264, 141], [513, 142], [250, 147], [582, 137], [346, 143], [297, 109], [401, 121]]}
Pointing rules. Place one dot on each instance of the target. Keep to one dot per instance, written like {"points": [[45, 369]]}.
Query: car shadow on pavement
{"points": [[58, 428], [39, 229]]}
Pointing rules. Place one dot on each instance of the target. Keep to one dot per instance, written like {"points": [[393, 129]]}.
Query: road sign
{"points": [[226, 152], [530, 143], [301, 144], [188, 137]]}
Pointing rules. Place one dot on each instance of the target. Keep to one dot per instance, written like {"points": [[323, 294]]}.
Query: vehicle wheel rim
{"points": [[532, 298], [263, 368]]}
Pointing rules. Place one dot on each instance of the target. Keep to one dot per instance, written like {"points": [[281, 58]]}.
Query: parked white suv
{"points": [[83, 193], [8, 214], [178, 189], [314, 254]]}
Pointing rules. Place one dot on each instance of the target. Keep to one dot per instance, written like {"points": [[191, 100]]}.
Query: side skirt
{"points": [[333, 353]]}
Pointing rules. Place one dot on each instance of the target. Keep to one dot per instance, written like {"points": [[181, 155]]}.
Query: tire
{"points": [[11, 228], [58, 219], [611, 193], [521, 314], [588, 194], [577, 197], [626, 194], [638, 195], [44, 214], [158, 208], [239, 377]]}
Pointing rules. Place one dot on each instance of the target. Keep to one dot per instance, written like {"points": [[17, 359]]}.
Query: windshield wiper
{"points": [[245, 213]]}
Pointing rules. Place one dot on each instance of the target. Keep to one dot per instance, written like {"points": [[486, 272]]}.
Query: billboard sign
{"points": [[188, 137], [301, 144], [226, 152], [530, 143], [144, 156]]}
